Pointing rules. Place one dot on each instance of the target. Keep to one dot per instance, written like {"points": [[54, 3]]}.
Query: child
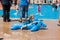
{"points": [[30, 23], [55, 5], [33, 23], [29, 20], [23, 6], [39, 7]]}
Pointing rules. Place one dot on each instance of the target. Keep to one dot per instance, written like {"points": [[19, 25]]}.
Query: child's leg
{"points": [[26, 11], [53, 7], [56, 7], [40, 13], [21, 11]]}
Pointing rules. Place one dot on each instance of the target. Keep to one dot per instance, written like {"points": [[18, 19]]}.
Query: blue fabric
{"points": [[38, 23], [43, 25], [16, 26], [29, 26], [34, 28], [23, 3]]}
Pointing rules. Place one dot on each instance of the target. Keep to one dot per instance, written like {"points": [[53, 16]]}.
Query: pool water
{"points": [[46, 11]]}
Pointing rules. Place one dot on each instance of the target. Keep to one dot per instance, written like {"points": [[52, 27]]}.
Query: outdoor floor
{"points": [[52, 32]]}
